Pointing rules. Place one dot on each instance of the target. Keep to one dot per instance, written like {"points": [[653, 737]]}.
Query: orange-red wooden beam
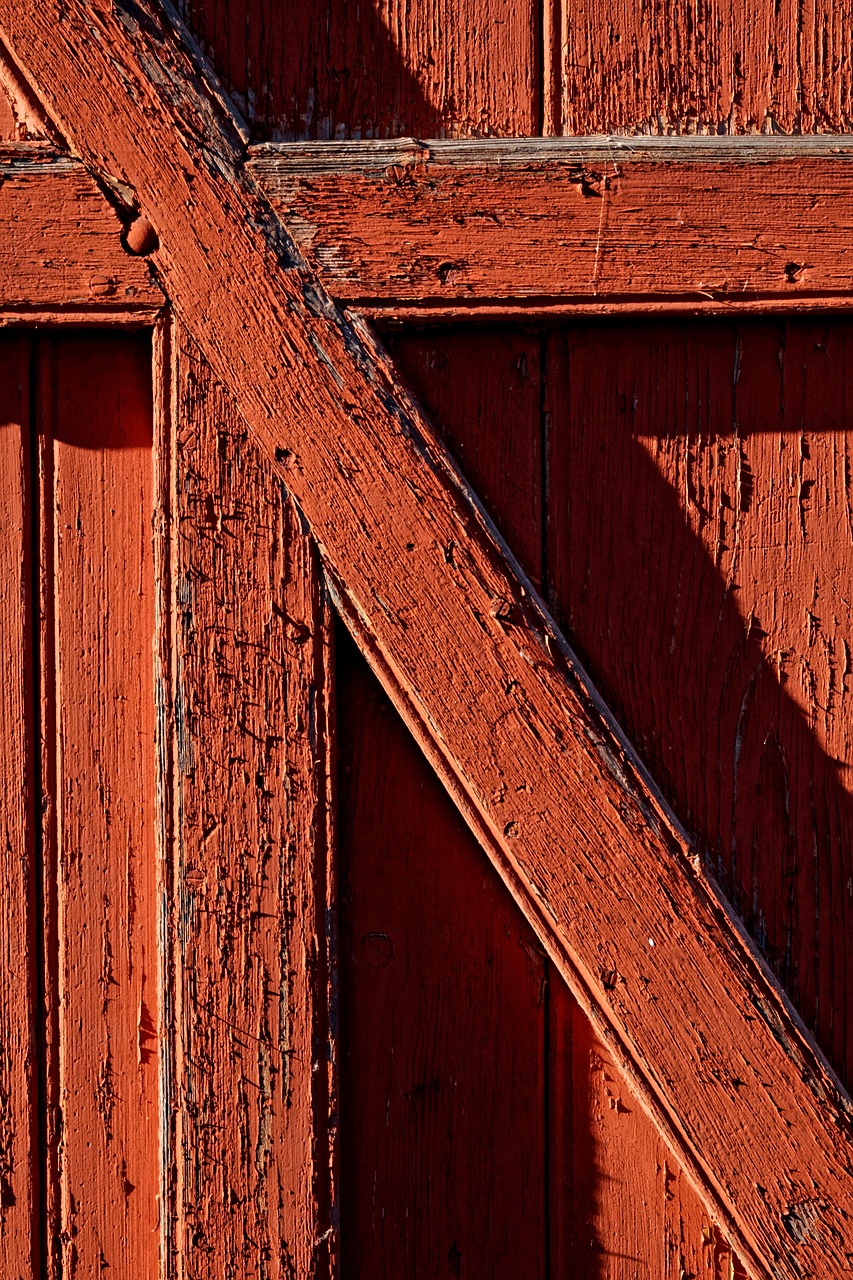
{"points": [[595, 225], [712, 1046]]}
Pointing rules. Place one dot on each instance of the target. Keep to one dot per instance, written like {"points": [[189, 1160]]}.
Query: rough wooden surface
{"points": [[738, 67], [627, 1208], [616, 1199], [696, 486], [700, 547], [484, 679], [482, 389], [19, 1128], [61, 246], [442, 985], [428, 939], [599, 223], [253, 1067], [97, 496], [326, 69], [442, 1022], [21, 116]]}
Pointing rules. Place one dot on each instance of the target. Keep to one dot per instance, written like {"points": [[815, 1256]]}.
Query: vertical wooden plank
{"points": [[626, 1209], [19, 1135], [442, 984], [442, 1053], [347, 70], [700, 542], [254, 1066], [693, 67], [96, 409]]}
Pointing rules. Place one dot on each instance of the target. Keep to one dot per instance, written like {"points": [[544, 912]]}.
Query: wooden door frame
{"points": [[456, 632]]}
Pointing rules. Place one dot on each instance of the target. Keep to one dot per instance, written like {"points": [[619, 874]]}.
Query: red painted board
{"points": [[738, 67], [22, 118], [616, 1199], [482, 388], [19, 1128], [442, 984], [464, 225], [102, 872], [441, 1048], [452, 618], [620, 1205], [326, 69], [700, 549], [61, 249], [254, 1067]]}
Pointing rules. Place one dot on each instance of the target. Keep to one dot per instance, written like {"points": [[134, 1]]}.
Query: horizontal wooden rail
{"points": [[598, 224], [61, 253]]}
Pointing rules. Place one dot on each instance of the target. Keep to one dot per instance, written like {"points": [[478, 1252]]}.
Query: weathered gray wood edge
{"points": [[269, 160], [28, 158]]}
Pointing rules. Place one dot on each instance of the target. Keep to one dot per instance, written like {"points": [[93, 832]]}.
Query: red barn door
{"points": [[274, 1005]]}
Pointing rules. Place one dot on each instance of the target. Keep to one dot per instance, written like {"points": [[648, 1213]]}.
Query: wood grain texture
{"points": [[325, 69], [546, 777], [19, 1130], [577, 222], [254, 1184], [700, 545], [482, 390], [616, 1200], [693, 66], [442, 1021], [22, 118], [61, 245], [442, 982], [621, 1206], [95, 407]]}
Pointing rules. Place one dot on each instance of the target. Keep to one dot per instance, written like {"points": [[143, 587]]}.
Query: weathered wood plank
{"points": [[591, 221], [61, 244], [738, 67], [442, 984], [706, 462], [95, 407], [254, 1189], [482, 391], [485, 680], [326, 69], [19, 1126], [622, 1207], [614, 1192], [442, 1021]]}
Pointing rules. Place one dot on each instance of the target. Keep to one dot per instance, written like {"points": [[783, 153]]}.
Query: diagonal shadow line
{"points": [[312, 70], [703, 695], [779, 856]]}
